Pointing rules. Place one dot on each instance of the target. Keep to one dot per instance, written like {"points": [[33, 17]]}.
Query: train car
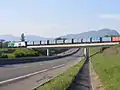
{"points": [[96, 39], [51, 41], [106, 39], [116, 39], [22, 44], [17, 44], [44, 42], [76, 40], [10, 44], [86, 40], [59, 41], [68, 41]]}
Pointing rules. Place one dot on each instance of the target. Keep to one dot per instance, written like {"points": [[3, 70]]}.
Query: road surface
{"points": [[17, 70]]}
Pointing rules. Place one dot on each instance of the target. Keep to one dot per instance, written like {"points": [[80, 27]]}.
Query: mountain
{"points": [[9, 38], [99, 33], [28, 38], [36, 38]]}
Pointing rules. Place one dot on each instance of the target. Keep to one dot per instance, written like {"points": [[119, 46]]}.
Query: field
{"points": [[63, 81], [107, 66]]}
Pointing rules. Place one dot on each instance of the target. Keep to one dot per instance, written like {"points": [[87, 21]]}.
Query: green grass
{"points": [[107, 66], [63, 81], [11, 56], [18, 52]]}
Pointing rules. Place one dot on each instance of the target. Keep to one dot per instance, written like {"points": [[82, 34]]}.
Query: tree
{"points": [[22, 37], [59, 38], [107, 36], [1, 42], [64, 39]]}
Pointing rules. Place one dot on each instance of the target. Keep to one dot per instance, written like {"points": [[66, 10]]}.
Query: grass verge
{"points": [[63, 81], [107, 66]]}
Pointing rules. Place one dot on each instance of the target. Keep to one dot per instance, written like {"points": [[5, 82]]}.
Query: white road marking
{"points": [[21, 77], [25, 66], [58, 66], [41, 64], [20, 67], [28, 75]]}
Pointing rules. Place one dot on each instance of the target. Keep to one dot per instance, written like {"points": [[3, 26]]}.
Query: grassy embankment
{"points": [[107, 66], [63, 81]]}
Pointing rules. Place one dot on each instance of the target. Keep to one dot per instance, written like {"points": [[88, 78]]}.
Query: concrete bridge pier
{"points": [[86, 53], [48, 53]]}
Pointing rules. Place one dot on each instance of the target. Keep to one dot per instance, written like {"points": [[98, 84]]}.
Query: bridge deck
{"points": [[74, 45]]}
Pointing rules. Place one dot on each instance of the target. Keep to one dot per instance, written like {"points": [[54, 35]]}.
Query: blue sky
{"points": [[52, 18]]}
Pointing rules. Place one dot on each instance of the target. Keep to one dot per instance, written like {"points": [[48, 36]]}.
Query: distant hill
{"points": [[28, 38], [37, 38], [9, 38], [99, 33]]}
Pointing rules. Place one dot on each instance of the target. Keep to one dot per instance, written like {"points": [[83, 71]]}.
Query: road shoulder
{"points": [[95, 80]]}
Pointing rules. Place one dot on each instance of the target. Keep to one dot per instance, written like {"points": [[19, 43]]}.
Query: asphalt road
{"points": [[13, 71]]}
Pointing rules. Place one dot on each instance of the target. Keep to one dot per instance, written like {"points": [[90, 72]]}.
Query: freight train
{"points": [[69, 41]]}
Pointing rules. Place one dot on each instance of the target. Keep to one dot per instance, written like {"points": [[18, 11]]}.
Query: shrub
{"points": [[7, 50], [11, 56], [25, 53], [103, 48], [3, 56]]}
